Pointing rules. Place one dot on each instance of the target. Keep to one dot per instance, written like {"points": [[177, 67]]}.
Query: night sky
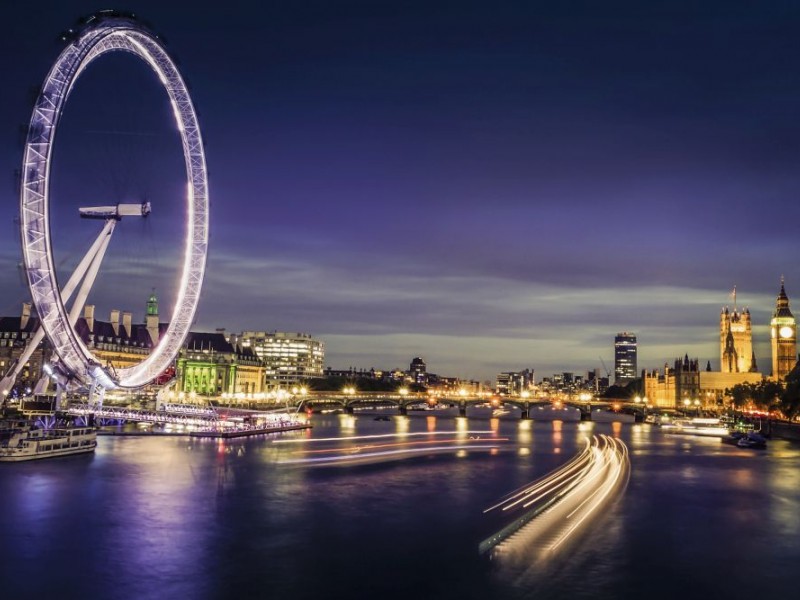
{"points": [[492, 186]]}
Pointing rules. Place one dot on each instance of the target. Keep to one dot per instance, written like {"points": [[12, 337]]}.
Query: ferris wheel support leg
{"points": [[96, 395], [59, 394], [66, 293], [91, 275]]}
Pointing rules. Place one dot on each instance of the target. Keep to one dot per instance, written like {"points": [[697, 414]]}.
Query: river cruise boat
{"points": [[710, 427], [24, 442]]}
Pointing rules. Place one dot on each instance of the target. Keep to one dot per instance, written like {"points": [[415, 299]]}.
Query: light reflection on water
{"points": [[179, 517]]}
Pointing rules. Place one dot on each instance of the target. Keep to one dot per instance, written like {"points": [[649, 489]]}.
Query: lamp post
{"points": [[697, 407], [644, 407]]}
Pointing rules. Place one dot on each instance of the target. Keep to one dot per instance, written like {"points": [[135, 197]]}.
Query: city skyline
{"points": [[468, 183]]}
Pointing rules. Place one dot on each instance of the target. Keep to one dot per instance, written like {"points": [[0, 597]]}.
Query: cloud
{"points": [[374, 315]]}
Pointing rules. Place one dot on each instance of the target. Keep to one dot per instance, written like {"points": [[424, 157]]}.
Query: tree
{"points": [[628, 391], [765, 395], [790, 400]]}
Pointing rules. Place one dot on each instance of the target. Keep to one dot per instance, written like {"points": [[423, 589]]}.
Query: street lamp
{"points": [[686, 404], [644, 406], [697, 407]]}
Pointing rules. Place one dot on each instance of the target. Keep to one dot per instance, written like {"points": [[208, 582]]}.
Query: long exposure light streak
{"points": [[403, 453], [570, 471], [355, 449], [561, 503], [377, 436]]}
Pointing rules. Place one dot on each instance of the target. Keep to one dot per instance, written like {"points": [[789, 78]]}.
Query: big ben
{"points": [[784, 337]]}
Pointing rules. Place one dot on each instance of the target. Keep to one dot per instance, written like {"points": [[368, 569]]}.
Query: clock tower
{"points": [[783, 331]]}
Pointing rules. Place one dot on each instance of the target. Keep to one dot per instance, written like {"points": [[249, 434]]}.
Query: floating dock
{"points": [[235, 433]]}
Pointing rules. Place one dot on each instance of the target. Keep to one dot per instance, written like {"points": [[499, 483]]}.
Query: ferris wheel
{"points": [[104, 33]]}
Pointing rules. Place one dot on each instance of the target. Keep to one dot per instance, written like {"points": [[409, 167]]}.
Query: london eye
{"points": [[76, 366]]}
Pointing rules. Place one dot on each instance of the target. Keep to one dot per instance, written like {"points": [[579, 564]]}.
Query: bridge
{"points": [[207, 417], [348, 402], [197, 417]]}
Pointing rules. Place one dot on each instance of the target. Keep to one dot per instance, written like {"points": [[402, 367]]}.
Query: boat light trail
{"points": [[561, 503], [396, 445], [349, 458], [377, 436]]}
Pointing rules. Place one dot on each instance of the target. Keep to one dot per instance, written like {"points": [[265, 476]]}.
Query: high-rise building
{"points": [[289, 358], [513, 383], [736, 340], [783, 331], [418, 370], [624, 358]]}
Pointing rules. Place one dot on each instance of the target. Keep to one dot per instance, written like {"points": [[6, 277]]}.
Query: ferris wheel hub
{"points": [[115, 212]]}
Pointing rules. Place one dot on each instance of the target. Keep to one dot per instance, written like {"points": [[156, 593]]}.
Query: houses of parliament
{"points": [[686, 384]]}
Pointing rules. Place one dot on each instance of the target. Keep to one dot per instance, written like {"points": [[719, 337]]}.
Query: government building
{"points": [[685, 384]]}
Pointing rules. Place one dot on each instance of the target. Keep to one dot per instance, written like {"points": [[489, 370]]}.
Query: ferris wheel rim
{"points": [[103, 36]]}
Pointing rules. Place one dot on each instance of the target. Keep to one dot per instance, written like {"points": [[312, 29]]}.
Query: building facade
{"points": [[736, 340], [14, 335], [209, 365], [624, 358], [289, 358], [513, 383], [685, 383], [418, 371], [783, 334]]}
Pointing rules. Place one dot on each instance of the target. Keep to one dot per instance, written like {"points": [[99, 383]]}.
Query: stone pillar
{"points": [[88, 315], [526, 411], [115, 321], [127, 321]]}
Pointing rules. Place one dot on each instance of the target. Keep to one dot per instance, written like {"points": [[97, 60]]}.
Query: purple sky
{"points": [[491, 186]]}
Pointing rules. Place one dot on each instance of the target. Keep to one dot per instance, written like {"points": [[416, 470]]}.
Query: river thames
{"points": [[175, 517]]}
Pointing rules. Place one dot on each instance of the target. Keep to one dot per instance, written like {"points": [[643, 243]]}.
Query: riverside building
{"points": [[783, 336], [513, 383], [209, 365], [289, 358], [736, 340], [624, 358]]}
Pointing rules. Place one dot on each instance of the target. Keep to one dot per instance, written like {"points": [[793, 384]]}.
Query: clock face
{"points": [[786, 332]]}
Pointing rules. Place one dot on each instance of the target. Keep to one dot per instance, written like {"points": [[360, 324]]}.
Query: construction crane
{"points": [[608, 373]]}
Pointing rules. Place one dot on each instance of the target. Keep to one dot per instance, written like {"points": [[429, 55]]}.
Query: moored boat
{"points": [[711, 427], [752, 440], [25, 442]]}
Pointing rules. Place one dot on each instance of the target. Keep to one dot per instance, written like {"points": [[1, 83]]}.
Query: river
{"points": [[176, 517]]}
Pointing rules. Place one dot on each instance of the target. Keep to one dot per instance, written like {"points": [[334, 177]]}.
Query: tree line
{"points": [[773, 396]]}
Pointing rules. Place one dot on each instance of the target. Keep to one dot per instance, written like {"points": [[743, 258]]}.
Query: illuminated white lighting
{"points": [[373, 437], [102, 37], [564, 500]]}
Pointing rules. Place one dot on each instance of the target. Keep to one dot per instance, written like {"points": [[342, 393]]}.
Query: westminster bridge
{"points": [[403, 402]]}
